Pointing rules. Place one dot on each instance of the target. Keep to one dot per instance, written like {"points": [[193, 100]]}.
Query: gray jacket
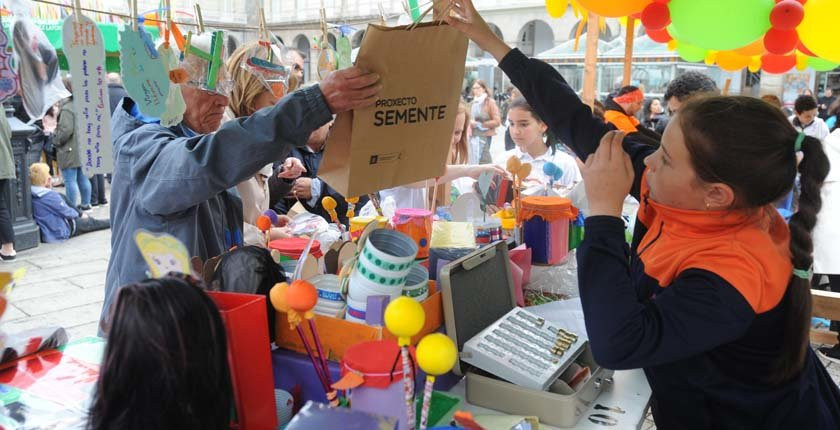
{"points": [[67, 146], [168, 182]]}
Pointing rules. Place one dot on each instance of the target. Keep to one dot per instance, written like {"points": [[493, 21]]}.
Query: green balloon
{"points": [[691, 53], [720, 25], [821, 65]]}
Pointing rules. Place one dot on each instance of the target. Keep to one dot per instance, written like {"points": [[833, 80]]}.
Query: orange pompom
{"points": [[178, 76], [301, 296], [264, 223]]}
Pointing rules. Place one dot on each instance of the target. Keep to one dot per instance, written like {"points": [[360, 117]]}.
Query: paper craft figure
{"points": [[8, 78], [163, 253], [85, 53], [145, 77], [344, 51], [175, 106], [41, 85]]}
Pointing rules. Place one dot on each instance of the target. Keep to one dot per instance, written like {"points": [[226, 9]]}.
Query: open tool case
{"points": [[480, 308]]}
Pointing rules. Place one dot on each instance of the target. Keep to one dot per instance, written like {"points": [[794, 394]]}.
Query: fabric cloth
{"points": [[52, 214], [77, 185], [7, 231], [167, 180], [826, 234], [537, 181], [406, 197], [67, 147], [7, 159], [116, 92], [706, 344], [816, 128]]}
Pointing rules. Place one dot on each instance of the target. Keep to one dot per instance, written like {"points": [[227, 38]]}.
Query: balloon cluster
{"points": [[771, 35]]}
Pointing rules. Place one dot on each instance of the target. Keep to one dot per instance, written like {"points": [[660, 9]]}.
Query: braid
{"points": [[813, 170]]}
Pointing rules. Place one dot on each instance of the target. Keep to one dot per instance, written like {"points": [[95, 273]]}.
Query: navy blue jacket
{"points": [[705, 351]]}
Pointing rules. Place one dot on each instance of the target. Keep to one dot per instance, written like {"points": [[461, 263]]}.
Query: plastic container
{"points": [[381, 392], [292, 248], [546, 227], [329, 291], [391, 247], [356, 310], [358, 224], [416, 224], [508, 227], [361, 287], [417, 283]]}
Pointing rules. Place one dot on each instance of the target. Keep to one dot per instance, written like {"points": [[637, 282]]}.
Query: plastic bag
{"points": [[37, 64]]}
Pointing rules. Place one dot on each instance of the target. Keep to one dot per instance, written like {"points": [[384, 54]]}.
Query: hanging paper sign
{"points": [[175, 106], [145, 77], [86, 56], [344, 52], [8, 77]]}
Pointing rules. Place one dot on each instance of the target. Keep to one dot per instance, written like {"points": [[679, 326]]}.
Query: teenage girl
{"points": [[712, 299]]}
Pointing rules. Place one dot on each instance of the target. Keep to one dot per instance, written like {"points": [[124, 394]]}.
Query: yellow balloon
{"points": [[801, 61], [820, 15], [436, 354], [672, 44], [404, 318], [711, 57], [556, 8], [614, 8]]}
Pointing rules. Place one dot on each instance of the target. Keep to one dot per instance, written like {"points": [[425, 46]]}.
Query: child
{"points": [[713, 298], [534, 144], [52, 212], [805, 118], [166, 363]]}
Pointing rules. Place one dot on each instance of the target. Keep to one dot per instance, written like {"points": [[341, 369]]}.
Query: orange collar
{"points": [[747, 249]]}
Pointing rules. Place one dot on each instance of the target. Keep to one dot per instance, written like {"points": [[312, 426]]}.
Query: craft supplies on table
{"points": [[478, 301], [523, 349], [330, 300], [546, 227], [292, 248], [358, 224], [416, 224], [321, 416], [417, 283], [448, 235], [379, 379], [488, 232]]}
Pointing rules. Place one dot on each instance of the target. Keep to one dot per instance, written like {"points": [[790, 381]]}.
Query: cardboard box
{"points": [[337, 334]]}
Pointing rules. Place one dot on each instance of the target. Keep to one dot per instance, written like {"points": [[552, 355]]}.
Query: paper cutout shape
{"points": [[484, 183], [8, 78], [85, 53], [344, 52], [41, 85], [326, 62], [175, 106], [145, 77], [163, 253]]}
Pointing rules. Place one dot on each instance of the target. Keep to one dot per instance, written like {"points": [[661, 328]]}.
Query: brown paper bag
{"points": [[405, 136]]}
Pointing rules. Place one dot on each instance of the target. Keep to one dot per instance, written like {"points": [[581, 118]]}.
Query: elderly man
{"points": [[176, 180]]}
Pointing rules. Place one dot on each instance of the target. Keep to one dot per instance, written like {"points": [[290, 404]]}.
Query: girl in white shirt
{"points": [[416, 195], [534, 145]]}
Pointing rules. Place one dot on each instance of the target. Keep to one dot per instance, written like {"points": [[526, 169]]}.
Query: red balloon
{"points": [[660, 36], [787, 14], [656, 16], [780, 42], [662, 1], [804, 49], [777, 63]]}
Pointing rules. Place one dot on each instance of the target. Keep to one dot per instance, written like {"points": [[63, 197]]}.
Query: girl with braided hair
{"points": [[712, 299]]}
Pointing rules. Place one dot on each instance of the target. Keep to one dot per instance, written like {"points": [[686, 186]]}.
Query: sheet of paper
{"points": [[86, 56], [144, 75]]}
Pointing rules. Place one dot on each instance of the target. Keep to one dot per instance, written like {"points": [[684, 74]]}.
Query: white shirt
{"points": [[571, 173], [816, 129], [405, 197]]}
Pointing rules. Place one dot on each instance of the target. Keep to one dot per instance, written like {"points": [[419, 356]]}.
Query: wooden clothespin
{"points": [[77, 9], [133, 14], [198, 18], [265, 36], [168, 24]]}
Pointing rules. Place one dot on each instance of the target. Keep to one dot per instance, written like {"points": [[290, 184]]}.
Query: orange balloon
{"points": [[301, 296], [614, 8], [755, 48], [264, 223], [732, 61], [277, 295]]}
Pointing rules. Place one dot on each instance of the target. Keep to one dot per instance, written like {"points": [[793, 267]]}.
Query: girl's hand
{"points": [[476, 171], [608, 175]]}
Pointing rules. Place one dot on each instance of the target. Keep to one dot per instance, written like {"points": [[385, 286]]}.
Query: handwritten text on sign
{"points": [[85, 53], [145, 77]]}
